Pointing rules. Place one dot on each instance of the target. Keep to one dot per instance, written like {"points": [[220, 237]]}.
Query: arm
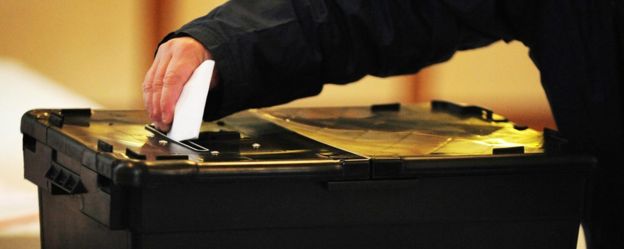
{"points": [[272, 52]]}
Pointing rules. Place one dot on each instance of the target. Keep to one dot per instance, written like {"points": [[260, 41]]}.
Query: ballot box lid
{"points": [[326, 143]]}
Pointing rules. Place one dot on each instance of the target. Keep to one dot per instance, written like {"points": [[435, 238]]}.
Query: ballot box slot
{"points": [[207, 141], [189, 144]]}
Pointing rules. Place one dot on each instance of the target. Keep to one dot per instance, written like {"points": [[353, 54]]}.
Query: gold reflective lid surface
{"points": [[415, 130]]}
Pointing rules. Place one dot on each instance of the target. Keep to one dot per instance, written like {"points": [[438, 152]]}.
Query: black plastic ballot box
{"points": [[434, 175]]}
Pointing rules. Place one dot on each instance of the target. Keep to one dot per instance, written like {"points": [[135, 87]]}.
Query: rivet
{"points": [[163, 142], [214, 153], [255, 146]]}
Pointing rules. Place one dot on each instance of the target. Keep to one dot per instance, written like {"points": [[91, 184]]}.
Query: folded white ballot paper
{"points": [[189, 109]]}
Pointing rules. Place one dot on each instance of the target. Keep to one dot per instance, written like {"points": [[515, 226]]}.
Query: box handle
{"points": [[63, 180]]}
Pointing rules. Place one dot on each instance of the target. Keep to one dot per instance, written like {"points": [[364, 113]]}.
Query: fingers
{"points": [[147, 85], [178, 72], [174, 63], [157, 86]]}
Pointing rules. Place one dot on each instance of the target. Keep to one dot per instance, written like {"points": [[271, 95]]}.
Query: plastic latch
{"points": [[78, 117], [104, 146], [508, 150], [78, 112], [466, 110], [63, 180], [392, 107], [135, 155], [56, 119]]}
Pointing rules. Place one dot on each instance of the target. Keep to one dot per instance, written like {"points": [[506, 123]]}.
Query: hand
{"points": [[174, 63]]}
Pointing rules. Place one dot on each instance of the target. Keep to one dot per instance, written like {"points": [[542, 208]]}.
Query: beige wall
{"points": [[96, 47], [187, 10], [501, 77]]}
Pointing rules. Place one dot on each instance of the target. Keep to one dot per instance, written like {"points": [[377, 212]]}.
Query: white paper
{"points": [[189, 110]]}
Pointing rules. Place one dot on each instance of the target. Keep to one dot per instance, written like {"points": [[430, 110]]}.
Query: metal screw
{"points": [[214, 153], [150, 135], [255, 146], [163, 142]]}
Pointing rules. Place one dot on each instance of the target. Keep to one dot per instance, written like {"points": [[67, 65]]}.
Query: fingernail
{"points": [[164, 128], [161, 127], [166, 118]]}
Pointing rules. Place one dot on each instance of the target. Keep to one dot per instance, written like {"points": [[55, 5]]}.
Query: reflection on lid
{"points": [[413, 131]]}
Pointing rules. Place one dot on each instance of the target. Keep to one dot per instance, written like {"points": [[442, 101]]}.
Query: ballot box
{"points": [[432, 175]]}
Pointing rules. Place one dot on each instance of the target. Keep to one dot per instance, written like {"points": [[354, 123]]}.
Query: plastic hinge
{"points": [[64, 180], [392, 107]]}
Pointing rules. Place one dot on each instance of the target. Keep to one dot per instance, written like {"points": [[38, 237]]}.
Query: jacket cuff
{"points": [[224, 99]]}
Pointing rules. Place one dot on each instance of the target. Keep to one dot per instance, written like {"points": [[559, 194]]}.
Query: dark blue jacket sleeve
{"points": [[272, 52]]}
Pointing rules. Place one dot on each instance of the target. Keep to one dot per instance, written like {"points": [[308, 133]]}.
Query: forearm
{"points": [[271, 52]]}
